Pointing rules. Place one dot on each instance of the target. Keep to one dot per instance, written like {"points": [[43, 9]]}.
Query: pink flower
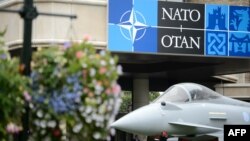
{"points": [[12, 128], [91, 94], [116, 89], [27, 97], [102, 70], [86, 38], [79, 54], [85, 90], [108, 91]]}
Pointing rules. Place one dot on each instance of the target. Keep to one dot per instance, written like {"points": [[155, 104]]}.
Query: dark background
{"points": [[176, 23], [187, 34], [246, 136]]}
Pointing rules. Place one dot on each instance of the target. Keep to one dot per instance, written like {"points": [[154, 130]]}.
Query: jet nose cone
{"points": [[141, 121], [118, 124]]}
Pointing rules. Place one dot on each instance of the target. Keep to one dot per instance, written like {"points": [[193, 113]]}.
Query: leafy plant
{"points": [[126, 105], [13, 91], [75, 93]]}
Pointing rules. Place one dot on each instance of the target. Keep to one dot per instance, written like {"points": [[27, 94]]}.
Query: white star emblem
{"points": [[133, 25]]}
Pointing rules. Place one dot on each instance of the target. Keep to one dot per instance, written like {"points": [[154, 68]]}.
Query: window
{"points": [[174, 94]]}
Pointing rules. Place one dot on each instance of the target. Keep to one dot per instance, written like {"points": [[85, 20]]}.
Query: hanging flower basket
{"points": [[75, 95]]}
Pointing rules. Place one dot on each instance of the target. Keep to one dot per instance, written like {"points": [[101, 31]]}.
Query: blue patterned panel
{"points": [[216, 17], [239, 44], [239, 18], [216, 43]]}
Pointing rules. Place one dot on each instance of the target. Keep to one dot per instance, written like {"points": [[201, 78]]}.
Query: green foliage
{"points": [[126, 105], [153, 96], [12, 87], [1, 37]]}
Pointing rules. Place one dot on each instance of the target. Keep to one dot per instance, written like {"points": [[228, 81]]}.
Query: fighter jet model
{"points": [[185, 109]]}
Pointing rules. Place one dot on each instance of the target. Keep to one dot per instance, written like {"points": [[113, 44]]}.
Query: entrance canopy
{"points": [[164, 70]]}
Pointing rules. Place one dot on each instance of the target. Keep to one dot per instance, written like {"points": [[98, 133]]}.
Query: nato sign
{"points": [[151, 26]]}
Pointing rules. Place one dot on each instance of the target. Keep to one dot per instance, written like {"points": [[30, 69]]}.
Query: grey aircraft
{"points": [[186, 109]]}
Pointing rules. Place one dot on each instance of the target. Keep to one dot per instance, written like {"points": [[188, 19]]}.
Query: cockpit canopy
{"points": [[187, 92]]}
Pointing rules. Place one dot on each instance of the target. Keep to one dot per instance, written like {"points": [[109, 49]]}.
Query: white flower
{"points": [[43, 132], [88, 119], [41, 89], [43, 123], [108, 138], [98, 89], [36, 122], [59, 75], [112, 131], [81, 108], [62, 126], [97, 135], [47, 116], [108, 73], [102, 53], [98, 118], [83, 115], [78, 100], [98, 124], [102, 109], [103, 63], [39, 113], [77, 128], [84, 65], [109, 107], [98, 100], [51, 124], [64, 138], [112, 61], [88, 109], [92, 72], [94, 81], [119, 69], [31, 105]]}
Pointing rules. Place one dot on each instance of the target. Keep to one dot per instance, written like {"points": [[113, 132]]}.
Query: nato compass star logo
{"points": [[132, 25]]}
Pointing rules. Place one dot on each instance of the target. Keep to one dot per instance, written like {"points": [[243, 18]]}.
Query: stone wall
{"points": [[91, 21]]}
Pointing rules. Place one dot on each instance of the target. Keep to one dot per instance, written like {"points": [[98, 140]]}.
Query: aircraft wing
{"points": [[199, 127]]}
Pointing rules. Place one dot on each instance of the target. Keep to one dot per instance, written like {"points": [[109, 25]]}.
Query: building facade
{"points": [[92, 23]]}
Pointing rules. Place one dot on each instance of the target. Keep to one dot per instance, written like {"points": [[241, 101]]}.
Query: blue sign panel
{"points": [[239, 34], [153, 26], [239, 18], [239, 44], [132, 25], [216, 17], [216, 30]]}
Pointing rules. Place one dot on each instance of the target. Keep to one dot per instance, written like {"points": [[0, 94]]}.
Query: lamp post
{"points": [[28, 13]]}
